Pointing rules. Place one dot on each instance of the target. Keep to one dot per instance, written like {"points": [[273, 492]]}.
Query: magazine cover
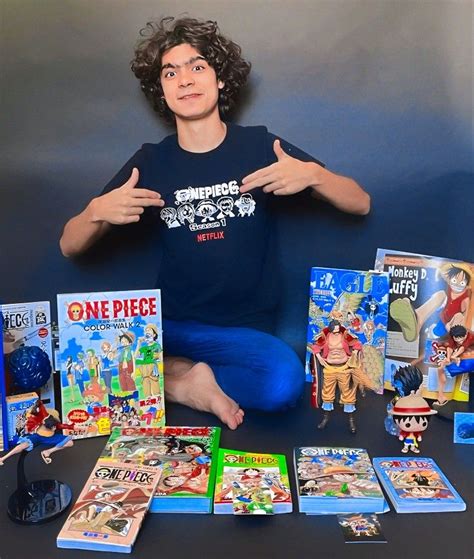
{"points": [[187, 455], [111, 360], [28, 324], [417, 485], [110, 509], [332, 480], [251, 475], [428, 297], [358, 301]]}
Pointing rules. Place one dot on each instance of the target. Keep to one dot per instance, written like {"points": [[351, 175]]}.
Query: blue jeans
{"points": [[256, 369]]}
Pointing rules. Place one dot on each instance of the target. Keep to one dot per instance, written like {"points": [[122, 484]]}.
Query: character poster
{"points": [[428, 296], [358, 301]]}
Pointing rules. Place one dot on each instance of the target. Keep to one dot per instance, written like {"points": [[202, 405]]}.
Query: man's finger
{"points": [[259, 182], [134, 211], [144, 193], [271, 187], [278, 150], [265, 171], [283, 191], [146, 202], [133, 179]]}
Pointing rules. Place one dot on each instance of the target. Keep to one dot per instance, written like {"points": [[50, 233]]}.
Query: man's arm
{"points": [[121, 206], [290, 175]]}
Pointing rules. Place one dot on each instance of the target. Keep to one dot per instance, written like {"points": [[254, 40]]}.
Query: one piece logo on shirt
{"points": [[208, 207]]}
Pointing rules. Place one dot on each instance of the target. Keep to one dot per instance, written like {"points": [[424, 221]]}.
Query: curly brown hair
{"points": [[222, 54]]}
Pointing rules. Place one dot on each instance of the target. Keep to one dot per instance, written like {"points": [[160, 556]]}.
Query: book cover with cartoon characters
{"points": [[28, 324], [417, 485], [187, 455], [109, 512], [111, 360], [334, 480], [242, 477], [430, 299], [358, 302]]}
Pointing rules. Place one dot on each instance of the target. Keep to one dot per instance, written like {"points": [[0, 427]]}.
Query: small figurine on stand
{"points": [[37, 501], [411, 413], [43, 500], [41, 427], [337, 351]]}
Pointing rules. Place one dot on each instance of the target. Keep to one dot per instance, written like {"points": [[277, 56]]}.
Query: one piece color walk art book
{"points": [[111, 360], [358, 302]]}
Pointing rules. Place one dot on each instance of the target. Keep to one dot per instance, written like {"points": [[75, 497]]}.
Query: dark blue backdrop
{"points": [[381, 91]]}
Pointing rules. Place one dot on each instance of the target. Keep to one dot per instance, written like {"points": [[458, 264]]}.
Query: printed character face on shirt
{"points": [[190, 84], [186, 213]]}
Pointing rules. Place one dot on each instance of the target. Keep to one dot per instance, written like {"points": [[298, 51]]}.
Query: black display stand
{"points": [[39, 501]]}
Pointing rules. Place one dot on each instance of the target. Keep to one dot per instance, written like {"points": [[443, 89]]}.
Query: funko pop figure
{"points": [[411, 415]]}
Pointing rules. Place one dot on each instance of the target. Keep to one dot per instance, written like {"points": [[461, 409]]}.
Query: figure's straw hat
{"points": [[412, 405]]}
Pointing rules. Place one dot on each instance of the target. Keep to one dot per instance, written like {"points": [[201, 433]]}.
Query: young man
{"points": [[210, 188]]}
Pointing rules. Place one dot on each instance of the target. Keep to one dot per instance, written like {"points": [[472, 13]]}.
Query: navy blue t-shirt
{"points": [[219, 262]]}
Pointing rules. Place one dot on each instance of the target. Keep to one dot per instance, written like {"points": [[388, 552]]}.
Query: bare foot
{"points": [[194, 385]]}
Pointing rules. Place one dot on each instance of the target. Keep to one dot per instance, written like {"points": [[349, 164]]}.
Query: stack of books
{"points": [[417, 485], [333, 480]]}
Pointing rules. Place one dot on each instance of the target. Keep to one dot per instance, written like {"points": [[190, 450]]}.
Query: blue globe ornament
{"points": [[30, 367]]}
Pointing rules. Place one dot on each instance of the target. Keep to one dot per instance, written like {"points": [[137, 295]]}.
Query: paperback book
{"points": [[111, 360], [358, 302], [186, 455], [334, 480], [251, 483], [111, 507], [428, 296], [417, 485]]}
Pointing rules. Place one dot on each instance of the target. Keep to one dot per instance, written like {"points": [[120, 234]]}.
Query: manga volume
{"points": [[187, 456], [334, 480], [417, 485], [251, 483], [110, 510]]}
